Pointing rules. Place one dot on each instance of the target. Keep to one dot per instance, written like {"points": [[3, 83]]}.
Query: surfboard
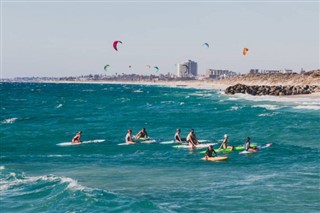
{"points": [[83, 142], [183, 142], [215, 158], [259, 147], [265, 146], [142, 139], [199, 146], [148, 141], [124, 144]]}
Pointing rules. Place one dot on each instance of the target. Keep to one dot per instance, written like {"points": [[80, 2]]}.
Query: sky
{"points": [[47, 38]]}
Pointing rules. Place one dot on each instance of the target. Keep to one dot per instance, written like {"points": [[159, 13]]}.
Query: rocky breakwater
{"points": [[272, 90]]}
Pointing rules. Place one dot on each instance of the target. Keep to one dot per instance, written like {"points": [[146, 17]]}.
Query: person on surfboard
{"points": [[224, 143], [142, 134], [249, 148], [209, 152], [177, 137], [129, 138], [192, 139], [77, 138]]}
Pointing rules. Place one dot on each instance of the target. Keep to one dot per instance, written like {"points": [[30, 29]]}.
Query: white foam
{"points": [[234, 108], [57, 156], [267, 106], [12, 180], [234, 99], [167, 102], [201, 94], [310, 107], [267, 114], [2, 167], [137, 91], [9, 121], [59, 106]]}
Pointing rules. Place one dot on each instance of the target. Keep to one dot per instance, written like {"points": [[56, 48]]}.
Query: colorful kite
{"points": [[245, 50], [115, 45], [206, 44], [105, 67]]}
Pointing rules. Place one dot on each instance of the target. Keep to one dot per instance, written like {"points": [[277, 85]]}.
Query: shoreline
{"points": [[198, 84]]}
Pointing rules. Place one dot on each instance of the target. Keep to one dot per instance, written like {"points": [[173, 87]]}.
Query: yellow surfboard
{"points": [[215, 158]]}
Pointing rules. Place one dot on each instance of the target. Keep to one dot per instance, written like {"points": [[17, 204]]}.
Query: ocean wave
{"points": [[13, 180], [59, 106], [233, 99], [57, 156], [167, 102], [137, 91], [88, 90], [234, 108], [9, 120], [267, 114], [309, 107], [64, 194], [267, 106], [123, 100], [2, 167]]}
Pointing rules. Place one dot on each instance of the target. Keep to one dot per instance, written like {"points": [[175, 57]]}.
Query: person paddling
{"points": [[129, 138], [209, 152], [77, 138], [225, 142]]}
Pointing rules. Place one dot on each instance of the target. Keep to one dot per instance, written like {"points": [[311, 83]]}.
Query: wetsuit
{"points": [[209, 153]]}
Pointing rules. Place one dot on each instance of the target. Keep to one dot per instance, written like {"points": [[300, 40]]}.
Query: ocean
{"points": [[37, 175]]}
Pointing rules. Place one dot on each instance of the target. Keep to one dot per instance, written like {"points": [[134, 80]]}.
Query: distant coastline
{"points": [[311, 78]]}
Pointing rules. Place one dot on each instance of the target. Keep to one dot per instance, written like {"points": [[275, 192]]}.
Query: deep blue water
{"points": [[37, 175]]}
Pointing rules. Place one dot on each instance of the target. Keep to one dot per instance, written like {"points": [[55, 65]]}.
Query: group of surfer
{"points": [[247, 147], [191, 140]]}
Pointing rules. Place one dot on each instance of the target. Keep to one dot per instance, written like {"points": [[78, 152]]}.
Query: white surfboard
{"points": [[83, 142], [124, 144], [184, 142], [148, 141], [199, 146]]}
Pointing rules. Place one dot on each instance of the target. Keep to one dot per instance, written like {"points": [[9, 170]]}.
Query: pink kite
{"points": [[115, 44]]}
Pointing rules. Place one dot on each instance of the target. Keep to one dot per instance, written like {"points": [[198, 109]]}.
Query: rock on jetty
{"points": [[272, 90]]}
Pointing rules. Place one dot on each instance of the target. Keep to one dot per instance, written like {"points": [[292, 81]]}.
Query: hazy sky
{"points": [[57, 38]]}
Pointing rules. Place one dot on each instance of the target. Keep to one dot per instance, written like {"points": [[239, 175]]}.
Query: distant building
{"points": [[254, 71], [187, 69], [287, 71], [270, 71], [219, 74]]}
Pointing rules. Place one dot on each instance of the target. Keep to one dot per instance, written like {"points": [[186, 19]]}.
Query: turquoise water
{"points": [[37, 175]]}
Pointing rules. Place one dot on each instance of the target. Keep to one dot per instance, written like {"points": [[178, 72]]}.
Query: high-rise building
{"points": [[187, 69]]}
